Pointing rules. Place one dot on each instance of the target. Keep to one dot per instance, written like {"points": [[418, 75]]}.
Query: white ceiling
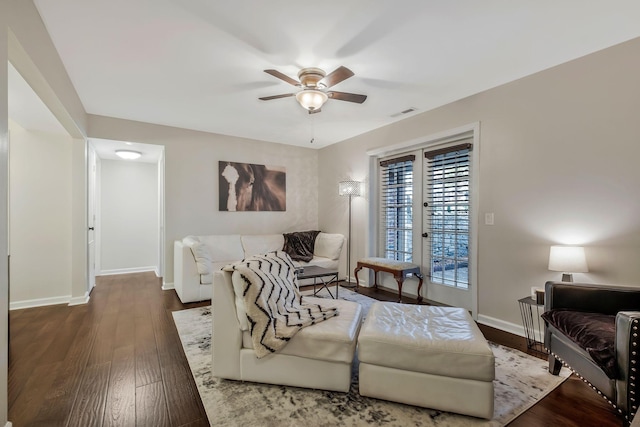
{"points": [[28, 111], [198, 64]]}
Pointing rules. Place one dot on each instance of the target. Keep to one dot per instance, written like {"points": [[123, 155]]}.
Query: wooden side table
{"points": [[399, 269]]}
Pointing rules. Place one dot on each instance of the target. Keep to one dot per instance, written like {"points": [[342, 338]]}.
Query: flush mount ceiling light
{"points": [[128, 154]]}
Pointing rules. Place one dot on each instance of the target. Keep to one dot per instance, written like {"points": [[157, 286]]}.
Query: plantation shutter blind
{"points": [[396, 204], [448, 212]]}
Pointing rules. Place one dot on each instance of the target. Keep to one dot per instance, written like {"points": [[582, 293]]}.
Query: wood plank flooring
{"points": [[118, 361]]}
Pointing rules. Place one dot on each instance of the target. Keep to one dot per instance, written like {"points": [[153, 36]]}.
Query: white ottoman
{"points": [[434, 357]]}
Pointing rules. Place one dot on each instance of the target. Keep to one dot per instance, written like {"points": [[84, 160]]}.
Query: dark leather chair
{"points": [[618, 384]]}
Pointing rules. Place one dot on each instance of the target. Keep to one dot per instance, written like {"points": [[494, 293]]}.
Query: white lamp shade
{"points": [[349, 188], [311, 99], [568, 259]]}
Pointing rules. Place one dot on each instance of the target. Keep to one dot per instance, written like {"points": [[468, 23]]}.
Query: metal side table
{"points": [[533, 323], [320, 273]]}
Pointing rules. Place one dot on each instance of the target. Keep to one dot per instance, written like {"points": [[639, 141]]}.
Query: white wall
{"points": [[128, 217], [40, 217], [558, 165], [191, 180]]}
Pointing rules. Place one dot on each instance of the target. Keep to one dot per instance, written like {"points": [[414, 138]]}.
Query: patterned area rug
{"points": [[521, 380]]}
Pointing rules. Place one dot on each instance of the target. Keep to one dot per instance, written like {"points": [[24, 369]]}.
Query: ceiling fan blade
{"points": [[315, 111], [277, 74], [268, 98], [344, 96], [336, 76]]}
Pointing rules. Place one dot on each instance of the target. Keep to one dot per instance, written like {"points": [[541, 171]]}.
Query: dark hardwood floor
{"points": [[118, 361]]}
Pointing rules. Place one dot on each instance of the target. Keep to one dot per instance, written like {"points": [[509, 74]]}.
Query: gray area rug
{"points": [[521, 380]]}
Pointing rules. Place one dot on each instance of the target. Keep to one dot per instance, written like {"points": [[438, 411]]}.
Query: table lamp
{"points": [[568, 259]]}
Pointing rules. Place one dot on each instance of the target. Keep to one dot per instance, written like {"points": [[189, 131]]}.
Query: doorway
{"points": [[126, 207]]}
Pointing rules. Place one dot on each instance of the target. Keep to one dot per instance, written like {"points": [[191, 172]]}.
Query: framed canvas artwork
{"points": [[249, 187]]}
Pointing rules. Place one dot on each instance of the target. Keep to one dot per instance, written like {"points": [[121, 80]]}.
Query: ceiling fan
{"points": [[314, 83]]}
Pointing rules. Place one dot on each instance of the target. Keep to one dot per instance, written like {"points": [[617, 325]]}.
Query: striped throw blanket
{"points": [[275, 309]]}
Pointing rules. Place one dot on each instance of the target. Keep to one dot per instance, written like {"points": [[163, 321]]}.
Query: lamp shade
{"points": [[569, 259], [311, 99], [349, 188]]}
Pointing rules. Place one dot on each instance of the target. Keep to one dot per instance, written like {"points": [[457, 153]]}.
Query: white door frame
{"points": [[472, 129], [160, 268], [91, 216]]}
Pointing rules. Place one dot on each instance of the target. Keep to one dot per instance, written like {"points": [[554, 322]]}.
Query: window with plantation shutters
{"points": [[396, 208], [448, 206]]}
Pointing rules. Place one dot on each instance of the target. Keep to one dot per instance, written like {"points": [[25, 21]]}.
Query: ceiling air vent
{"points": [[407, 111]]}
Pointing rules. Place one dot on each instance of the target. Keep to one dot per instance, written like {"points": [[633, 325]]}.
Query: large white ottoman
{"points": [[434, 357]]}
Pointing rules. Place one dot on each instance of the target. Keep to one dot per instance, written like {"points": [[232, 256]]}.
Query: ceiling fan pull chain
{"points": [[313, 128]]}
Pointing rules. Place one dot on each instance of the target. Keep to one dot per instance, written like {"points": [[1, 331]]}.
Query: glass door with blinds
{"points": [[396, 208], [447, 222]]}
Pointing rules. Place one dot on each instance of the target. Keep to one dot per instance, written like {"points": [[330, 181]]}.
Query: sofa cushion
{"points": [[202, 256], [300, 244], [333, 339], [261, 244], [274, 308], [593, 332], [224, 248], [190, 240], [329, 245]]}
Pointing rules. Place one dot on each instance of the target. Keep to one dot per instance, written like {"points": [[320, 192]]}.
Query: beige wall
{"points": [[4, 213], [558, 157], [191, 181], [40, 217], [128, 217]]}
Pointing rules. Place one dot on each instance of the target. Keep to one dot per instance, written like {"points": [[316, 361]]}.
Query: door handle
{"points": [[91, 228], [425, 234]]}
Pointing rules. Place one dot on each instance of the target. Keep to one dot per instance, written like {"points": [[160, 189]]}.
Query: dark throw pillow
{"points": [[300, 245]]}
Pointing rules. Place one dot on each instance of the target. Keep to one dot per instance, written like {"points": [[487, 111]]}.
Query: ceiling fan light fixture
{"points": [[311, 99], [128, 154]]}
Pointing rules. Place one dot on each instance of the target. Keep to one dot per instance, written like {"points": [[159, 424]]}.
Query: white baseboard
{"points": [[167, 286], [512, 328], [39, 302], [127, 271], [80, 300]]}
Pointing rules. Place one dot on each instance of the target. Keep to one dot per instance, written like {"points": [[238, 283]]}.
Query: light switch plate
{"points": [[488, 218]]}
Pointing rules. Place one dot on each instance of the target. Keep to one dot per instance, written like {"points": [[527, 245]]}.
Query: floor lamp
{"points": [[349, 188]]}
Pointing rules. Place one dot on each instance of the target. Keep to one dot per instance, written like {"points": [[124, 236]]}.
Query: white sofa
{"points": [[319, 356], [193, 278]]}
